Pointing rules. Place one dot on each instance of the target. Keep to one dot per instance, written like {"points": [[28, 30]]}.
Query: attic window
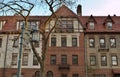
{"points": [[91, 25], [109, 25]]}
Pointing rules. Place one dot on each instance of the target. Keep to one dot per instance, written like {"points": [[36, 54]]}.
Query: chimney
{"points": [[79, 10]]}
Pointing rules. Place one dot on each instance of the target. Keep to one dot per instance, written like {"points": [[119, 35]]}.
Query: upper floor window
{"points": [[91, 25], [109, 25], [63, 41], [74, 59], [35, 61], [102, 42], [2, 23], [14, 59], [64, 59], [74, 41], [33, 25], [25, 59], [53, 59], [91, 42], [92, 60], [15, 41], [114, 60], [53, 41], [103, 60], [0, 42], [64, 26], [112, 42]]}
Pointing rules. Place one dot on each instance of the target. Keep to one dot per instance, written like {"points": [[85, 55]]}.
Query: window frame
{"points": [[14, 58], [109, 25], [63, 59], [63, 41], [53, 59], [114, 60], [53, 41], [91, 25], [25, 59], [93, 43], [103, 62], [75, 59], [93, 60], [102, 45], [112, 46], [35, 62], [74, 41], [1, 40]]}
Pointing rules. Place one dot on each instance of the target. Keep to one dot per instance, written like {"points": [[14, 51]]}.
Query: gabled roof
{"points": [[64, 11], [108, 18], [91, 19]]}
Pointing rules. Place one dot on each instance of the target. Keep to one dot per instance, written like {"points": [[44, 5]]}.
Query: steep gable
{"points": [[64, 11]]}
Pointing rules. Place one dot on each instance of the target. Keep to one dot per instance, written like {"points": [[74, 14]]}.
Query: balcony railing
{"points": [[103, 48], [64, 66]]}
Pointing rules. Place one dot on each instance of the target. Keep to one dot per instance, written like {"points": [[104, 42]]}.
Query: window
{"points": [[114, 60], [91, 26], [63, 41], [37, 74], [16, 41], [99, 75], [91, 42], [64, 26], [35, 36], [49, 74], [103, 60], [112, 42], [14, 58], [53, 59], [2, 24], [63, 75], [33, 25], [35, 61], [109, 25], [74, 59], [53, 41], [15, 75], [75, 75], [20, 24], [64, 59], [92, 60], [102, 43], [74, 41], [0, 42], [25, 59]]}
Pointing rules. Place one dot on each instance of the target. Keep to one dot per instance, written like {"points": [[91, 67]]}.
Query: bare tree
{"points": [[23, 8]]}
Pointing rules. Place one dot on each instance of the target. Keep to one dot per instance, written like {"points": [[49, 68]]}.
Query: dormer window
{"points": [[91, 25], [109, 25]]}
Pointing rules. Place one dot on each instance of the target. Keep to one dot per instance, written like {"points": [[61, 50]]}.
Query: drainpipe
{"points": [[20, 52], [4, 68], [85, 56]]}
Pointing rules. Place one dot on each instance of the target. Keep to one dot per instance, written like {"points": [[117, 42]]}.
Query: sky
{"points": [[91, 7]]}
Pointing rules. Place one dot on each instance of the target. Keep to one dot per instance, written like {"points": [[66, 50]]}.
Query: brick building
{"points": [[79, 46]]}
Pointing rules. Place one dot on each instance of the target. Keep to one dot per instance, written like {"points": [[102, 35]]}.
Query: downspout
{"points": [[4, 68], [85, 56]]}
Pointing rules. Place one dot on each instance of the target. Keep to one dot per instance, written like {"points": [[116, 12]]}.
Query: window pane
{"points": [[114, 60], [74, 41], [53, 41], [75, 59], [64, 59], [103, 60], [35, 62], [53, 59], [91, 25], [63, 41], [14, 59], [109, 25], [102, 43], [91, 42], [25, 59], [16, 41], [92, 60], [113, 42]]}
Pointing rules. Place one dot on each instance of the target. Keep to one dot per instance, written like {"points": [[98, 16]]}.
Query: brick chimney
{"points": [[79, 10]]}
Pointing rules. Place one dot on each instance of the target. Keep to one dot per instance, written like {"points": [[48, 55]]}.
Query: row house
{"points": [[102, 45], [78, 46]]}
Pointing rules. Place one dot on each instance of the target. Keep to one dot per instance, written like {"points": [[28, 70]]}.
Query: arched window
{"points": [[49, 74], [37, 74]]}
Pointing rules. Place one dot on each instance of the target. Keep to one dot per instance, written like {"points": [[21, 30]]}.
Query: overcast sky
{"points": [[94, 7]]}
